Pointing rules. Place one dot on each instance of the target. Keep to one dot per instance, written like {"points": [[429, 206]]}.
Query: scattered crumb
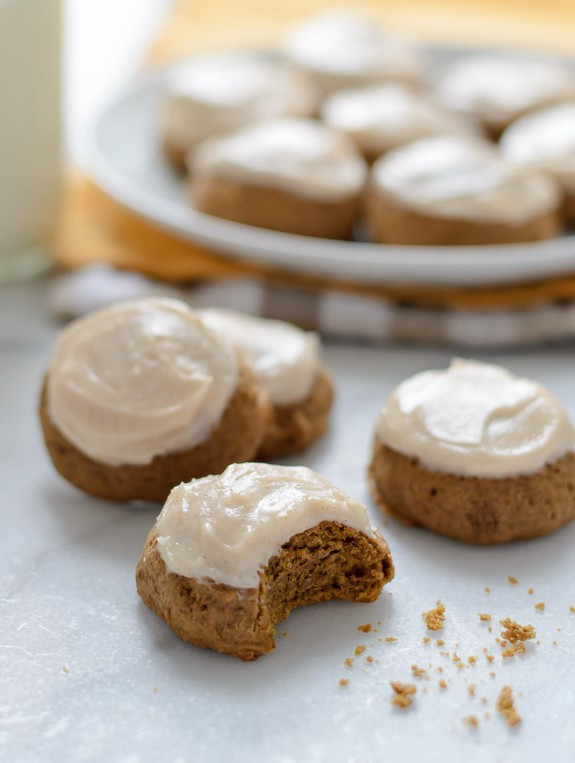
{"points": [[572, 610], [435, 618], [378, 622], [511, 651], [487, 589], [540, 606], [444, 654], [513, 580], [484, 617], [472, 660], [492, 674], [439, 669], [471, 690], [155, 690], [369, 658], [558, 630], [513, 632], [366, 628], [65, 668], [402, 694], [487, 715], [530, 591], [483, 700], [506, 707], [460, 665], [490, 628], [471, 720], [285, 633], [426, 639], [440, 642], [418, 672], [442, 683], [348, 661], [359, 649], [489, 657], [343, 681], [554, 643], [390, 639]]}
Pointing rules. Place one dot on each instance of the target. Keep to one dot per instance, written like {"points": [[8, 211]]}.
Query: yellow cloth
{"points": [[94, 228]]}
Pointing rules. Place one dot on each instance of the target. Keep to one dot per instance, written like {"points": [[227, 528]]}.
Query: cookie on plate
{"points": [[475, 453], [218, 92], [382, 117], [457, 190], [143, 395], [545, 140], [292, 175], [286, 360], [497, 89], [343, 48], [231, 555]]}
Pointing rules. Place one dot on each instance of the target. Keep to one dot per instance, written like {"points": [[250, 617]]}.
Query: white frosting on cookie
{"points": [[300, 156], [497, 89], [383, 117], [227, 527], [219, 92], [464, 179], [475, 419], [284, 358], [545, 139], [344, 48], [140, 379]]}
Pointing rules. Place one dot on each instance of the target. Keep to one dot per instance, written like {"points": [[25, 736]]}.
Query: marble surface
{"points": [[89, 674]]}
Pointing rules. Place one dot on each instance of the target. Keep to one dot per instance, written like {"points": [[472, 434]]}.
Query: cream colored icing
{"points": [[225, 528], [139, 379], [382, 117], [219, 92], [284, 358], [462, 178], [476, 419], [301, 156], [545, 139], [497, 90], [344, 48]]}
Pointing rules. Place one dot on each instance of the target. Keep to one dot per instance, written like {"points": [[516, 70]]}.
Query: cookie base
{"points": [[235, 438], [292, 428], [329, 561], [272, 208], [476, 510]]}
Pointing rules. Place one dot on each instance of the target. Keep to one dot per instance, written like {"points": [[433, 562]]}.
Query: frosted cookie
{"points": [[475, 453], [339, 49], [216, 93], [143, 395], [382, 117], [546, 140], [231, 555], [457, 190], [291, 175], [496, 90], [287, 363]]}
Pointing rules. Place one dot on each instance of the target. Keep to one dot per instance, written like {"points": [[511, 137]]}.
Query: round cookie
{"points": [[496, 90], [142, 395], [339, 49], [291, 175], [219, 92], [382, 117], [231, 555], [456, 190], [545, 140], [475, 453]]}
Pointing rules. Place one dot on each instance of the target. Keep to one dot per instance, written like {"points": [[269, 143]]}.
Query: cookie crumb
{"points": [[435, 618], [487, 589], [484, 617], [348, 661], [492, 674], [489, 657], [471, 720], [513, 580], [366, 628], [418, 672], [472, 660], [540, 606], [511, 651], [359, 649], [343, 681], [390, 639], [572, 610], [426, 639], [155, 690], [402, 694], [471, 690], [506, 707], [65, 669], [530, 591], [513, 632], [440, 642], [369, 658], [442, 683]]}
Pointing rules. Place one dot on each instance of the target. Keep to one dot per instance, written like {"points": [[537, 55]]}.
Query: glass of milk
{"points": [[30, 132]]}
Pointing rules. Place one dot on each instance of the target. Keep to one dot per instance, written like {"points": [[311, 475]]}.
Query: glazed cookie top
{"points": [[382, 117], [301, 156], [475, 419], [463, 178], [497, 90], [284, 358], [227, 527], [218, 92], [545, 139], [139, 379], [341, 48]]}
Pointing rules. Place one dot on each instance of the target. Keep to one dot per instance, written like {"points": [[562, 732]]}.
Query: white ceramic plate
{"points": [[126, 160]]}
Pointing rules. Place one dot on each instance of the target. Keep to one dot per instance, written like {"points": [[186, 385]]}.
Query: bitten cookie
{"points": [[455, 190], [219, 92], [496, 90], [142, 395], [231, 555], [475, 453], [287, 363], [291, 175], [545, 140]]}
